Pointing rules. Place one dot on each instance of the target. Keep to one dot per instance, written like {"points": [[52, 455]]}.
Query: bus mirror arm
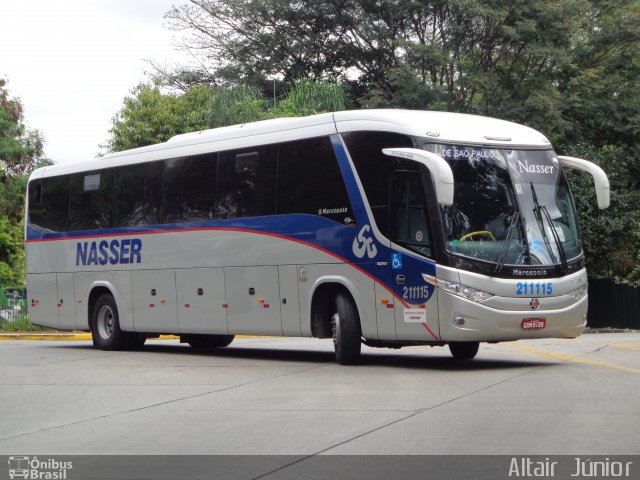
{"points": [[438, 168], [599, 177]]}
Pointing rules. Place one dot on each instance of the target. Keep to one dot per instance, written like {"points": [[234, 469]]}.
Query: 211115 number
{"points": [[534, 288]]}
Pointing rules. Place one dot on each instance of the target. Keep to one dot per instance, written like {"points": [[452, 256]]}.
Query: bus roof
{"points": [[439, 127]]}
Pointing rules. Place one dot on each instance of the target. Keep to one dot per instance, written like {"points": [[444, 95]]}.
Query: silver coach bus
{"points": [[387, 228]]}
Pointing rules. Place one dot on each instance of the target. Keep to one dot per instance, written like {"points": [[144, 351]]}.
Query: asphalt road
{"points": [[287, 396]]}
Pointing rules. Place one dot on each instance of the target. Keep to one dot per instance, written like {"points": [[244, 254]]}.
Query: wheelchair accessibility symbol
{"points": [[396, 261]]}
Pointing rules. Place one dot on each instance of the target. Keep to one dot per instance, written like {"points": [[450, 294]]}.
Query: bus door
{"points": [[412, 274]]}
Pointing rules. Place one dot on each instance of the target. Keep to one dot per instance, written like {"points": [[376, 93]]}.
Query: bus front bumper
{"points": [[462, 320]]}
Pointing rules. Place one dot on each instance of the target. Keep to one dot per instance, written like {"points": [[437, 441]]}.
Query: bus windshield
{"points": [[510, 207]]}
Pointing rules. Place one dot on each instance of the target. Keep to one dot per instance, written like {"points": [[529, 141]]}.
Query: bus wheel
{"points": [[345, 326], [464, 350], [105, 325], [208, 341]]}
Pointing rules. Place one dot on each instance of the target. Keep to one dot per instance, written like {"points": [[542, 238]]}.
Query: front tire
{"points": [[345, 325], [105, 325], [464, 350]]}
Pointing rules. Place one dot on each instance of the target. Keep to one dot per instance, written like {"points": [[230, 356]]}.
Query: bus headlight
{"points": [[463, 291], [579, 293]]}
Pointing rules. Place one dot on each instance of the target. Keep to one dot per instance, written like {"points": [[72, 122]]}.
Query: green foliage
{"points": [[21, 325], [20, 147], [308, 97], [612, 236], [234, 105], [243, 103], [570, 68], [150, 116], [11, 253], [21, 151]]}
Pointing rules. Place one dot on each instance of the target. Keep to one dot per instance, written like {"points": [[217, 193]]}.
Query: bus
{"points": [[387, 228]]}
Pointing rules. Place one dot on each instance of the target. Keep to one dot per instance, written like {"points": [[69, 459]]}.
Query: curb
{"points": [[60, 337], [56, 336]]}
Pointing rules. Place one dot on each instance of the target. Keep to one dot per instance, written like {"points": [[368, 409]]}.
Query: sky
{"points": [[72, 62]]}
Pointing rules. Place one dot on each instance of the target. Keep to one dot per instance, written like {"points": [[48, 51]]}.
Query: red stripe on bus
{"points": [[241, 230]]}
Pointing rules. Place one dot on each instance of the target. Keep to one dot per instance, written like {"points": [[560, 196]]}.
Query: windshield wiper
{"points": [[556, 238], [515, 218]]}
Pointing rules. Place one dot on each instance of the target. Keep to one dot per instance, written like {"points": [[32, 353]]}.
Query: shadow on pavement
{"points": [[396, 359]]}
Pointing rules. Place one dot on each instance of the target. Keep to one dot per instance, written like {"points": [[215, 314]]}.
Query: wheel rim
{"points": [[335, 328], [105, 322]]}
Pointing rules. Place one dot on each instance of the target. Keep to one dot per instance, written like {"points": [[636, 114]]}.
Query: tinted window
{"points": [[189, 188], [310, 181], [374, 168], [409, 225], [138, 194], [36, 209], [53, 211], [247, 182], [91, 202]]}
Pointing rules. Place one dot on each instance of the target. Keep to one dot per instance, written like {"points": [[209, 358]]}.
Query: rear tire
{"points": [[207, 342], [464, 350], [105, 325], [345, 325]]}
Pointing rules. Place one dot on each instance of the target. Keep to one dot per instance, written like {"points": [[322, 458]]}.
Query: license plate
{"points": [[534, 323]]}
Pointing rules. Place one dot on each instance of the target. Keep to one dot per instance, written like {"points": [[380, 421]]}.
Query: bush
{"points": [[612, 236]]}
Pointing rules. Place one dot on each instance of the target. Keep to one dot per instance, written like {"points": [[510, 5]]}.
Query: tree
{"points": [[21, 151], [308, 97], [150, 116], [570, 68], [236, 104], [485, 56], [612, 236], [20, 147]]}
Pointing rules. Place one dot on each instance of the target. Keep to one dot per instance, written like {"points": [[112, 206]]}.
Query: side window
{"points": [[55, 203], [138, 194], [408, 212], [189, 188], [91, 202], [310, 181], [247, 182], [36, 210], [375, 168]]}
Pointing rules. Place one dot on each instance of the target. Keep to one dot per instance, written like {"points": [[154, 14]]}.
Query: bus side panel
{"points": [[385, 302], [253, 298], [359, 284], [117, 282], [66, 301], [42, 293], [289, 304], [201, 299], [154, 301], [422, 327]]}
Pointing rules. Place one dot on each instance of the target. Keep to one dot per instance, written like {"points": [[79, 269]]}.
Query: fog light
{"points": [[458, 321]]}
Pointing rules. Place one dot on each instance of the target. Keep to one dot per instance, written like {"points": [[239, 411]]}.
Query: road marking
{"points": [[572, 358], [626, 345]]}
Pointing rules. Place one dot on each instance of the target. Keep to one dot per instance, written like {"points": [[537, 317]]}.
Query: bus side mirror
{"points": [[599, 177], [440, 170]]}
